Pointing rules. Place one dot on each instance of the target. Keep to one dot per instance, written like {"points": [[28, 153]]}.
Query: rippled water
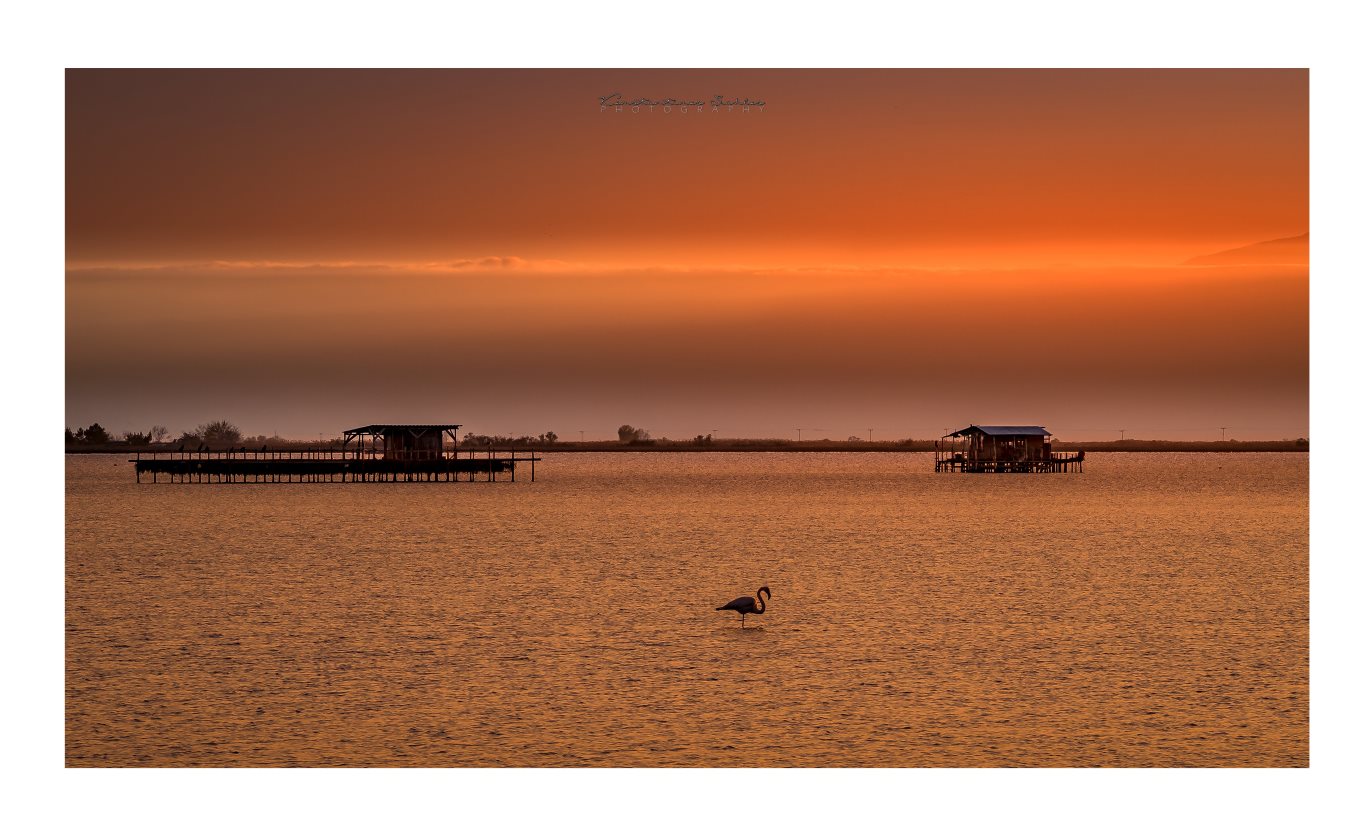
{"points": [[1151, 611]]}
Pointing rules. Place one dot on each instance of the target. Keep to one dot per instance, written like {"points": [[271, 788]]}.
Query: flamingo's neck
{"points": [[761, 603]]}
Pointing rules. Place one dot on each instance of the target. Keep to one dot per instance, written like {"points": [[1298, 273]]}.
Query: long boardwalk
{"points": [[243, 466], [1059, 461]]}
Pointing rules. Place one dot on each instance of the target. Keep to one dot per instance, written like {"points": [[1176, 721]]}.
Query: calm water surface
{"points": [[1151, 611]]}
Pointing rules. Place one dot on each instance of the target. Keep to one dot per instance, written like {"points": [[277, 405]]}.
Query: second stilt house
{"points": [[1022, 449]]}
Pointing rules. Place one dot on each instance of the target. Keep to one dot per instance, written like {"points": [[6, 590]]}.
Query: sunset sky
{"points": [[302, 251]]}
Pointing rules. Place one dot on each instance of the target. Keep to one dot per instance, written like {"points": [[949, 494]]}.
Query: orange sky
{"points": [[899, 249]]}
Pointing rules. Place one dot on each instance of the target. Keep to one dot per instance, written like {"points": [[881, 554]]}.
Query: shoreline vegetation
{"points": [[222, 435], [694, 446]]}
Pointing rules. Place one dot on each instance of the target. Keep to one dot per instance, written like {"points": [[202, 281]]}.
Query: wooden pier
{"points": [[241, 466], [372, 454], [1061, 461]]}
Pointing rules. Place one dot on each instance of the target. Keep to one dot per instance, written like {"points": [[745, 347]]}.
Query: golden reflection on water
{"points": [[1151, 611]]}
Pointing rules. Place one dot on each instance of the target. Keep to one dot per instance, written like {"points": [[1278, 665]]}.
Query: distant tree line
{"points": [[482, 440], [219, 432], [94, 434]]}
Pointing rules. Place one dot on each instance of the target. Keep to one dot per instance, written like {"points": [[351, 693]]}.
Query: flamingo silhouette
{"points": [[747, 604]]}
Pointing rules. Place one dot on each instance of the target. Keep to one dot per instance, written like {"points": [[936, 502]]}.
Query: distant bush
{"points": [[93, 434], [629, 434], [219, 432]]}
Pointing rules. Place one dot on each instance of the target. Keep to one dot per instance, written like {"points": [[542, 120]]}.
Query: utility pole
{"points": [[1121, 430], [868, 434], [583, 436], [1223, 433], [797, 434]]}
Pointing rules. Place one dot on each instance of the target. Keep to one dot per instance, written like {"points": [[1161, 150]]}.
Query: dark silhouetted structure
{"points": [[1022, 449], [402, 442], [370, 454]]}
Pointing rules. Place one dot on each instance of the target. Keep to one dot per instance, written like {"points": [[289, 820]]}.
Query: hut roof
{"points": [[1004, 431], [385, 428]]}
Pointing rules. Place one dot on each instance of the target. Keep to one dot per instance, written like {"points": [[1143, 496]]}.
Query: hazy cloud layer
{"points": [[1164, 352]]}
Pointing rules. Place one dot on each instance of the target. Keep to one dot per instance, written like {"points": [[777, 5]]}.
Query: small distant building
{"points": [[402, 442], [1003, 448]]}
